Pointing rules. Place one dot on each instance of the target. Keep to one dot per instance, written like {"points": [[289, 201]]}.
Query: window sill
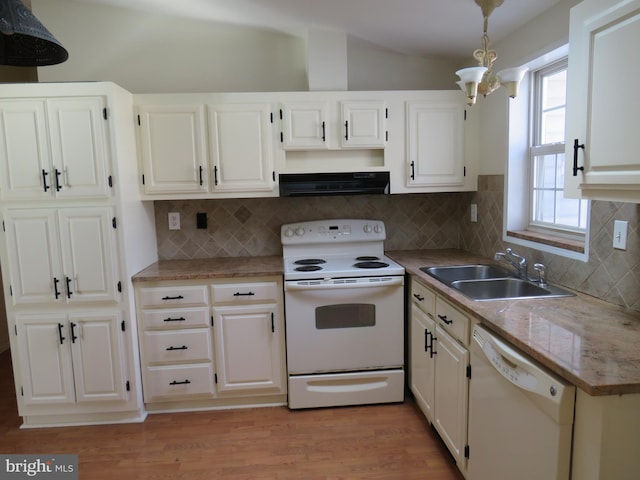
{"points": [[553, 241]]}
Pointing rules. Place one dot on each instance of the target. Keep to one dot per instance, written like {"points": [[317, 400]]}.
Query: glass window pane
{"points": [[552, 128], [545, 171], [568, 211], [544, 205], [554, 90]]}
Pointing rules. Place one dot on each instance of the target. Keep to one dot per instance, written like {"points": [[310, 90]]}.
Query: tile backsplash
{"points": [[246, 227]]}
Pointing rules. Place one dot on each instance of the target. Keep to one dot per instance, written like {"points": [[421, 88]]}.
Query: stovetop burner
{"points": [[371, 265], [308, 268], [310, 261], [367, 258]]}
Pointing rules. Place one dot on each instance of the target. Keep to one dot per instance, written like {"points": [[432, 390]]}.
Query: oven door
{"points": [[344, 324]]}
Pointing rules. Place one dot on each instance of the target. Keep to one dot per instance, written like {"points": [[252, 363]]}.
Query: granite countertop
{"points": [[208, 268], [590, 343]]}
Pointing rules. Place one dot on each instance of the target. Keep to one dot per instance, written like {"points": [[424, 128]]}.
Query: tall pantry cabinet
{"points": [[74, 231]]}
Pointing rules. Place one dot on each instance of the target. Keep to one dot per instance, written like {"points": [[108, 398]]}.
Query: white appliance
{"points": [[520, 415], [344, 305]]}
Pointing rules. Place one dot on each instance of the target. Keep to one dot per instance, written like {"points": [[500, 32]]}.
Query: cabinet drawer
{"points": [[424, 298], [178, 346], [452, 320], [244, 292], [173, 382], [178, 295], [176, 318]]}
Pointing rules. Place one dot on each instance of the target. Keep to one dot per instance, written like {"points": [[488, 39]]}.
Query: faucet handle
{"points": [[541, 269]]}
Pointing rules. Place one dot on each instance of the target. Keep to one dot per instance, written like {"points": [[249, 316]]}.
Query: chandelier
{"points": [[481, 79]]}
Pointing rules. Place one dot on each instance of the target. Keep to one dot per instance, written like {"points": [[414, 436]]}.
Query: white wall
{"points": [[148, 53], [546, 32]]}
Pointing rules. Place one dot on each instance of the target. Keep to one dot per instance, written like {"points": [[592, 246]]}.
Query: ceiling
{"points": [[443, 28]]}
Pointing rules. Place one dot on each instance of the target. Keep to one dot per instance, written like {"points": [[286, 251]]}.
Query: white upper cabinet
{"points": [[435, 143], [364, 124], [62, 256], [54, 148], [305, 125], [602, 160], [241, 144], [173, 148]]}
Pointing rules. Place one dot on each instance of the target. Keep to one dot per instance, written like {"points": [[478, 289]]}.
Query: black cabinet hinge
{"points": [[464, 171], [215, 378], [466, 452], [143, 178], [10, 291], [280, 114], [22, 391], [123, 326], [273, 175], [386, 135], [139, 121], [114, 222], [110, 181], [128, 386], [271, 117], [15, 328], [105, 113], [212, 320], [281, 137], [273, 323], [120, 287], [465, 114], [3, 229], [468, 371]]}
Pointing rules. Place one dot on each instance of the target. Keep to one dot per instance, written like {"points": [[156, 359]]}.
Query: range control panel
{"points": [[332, 231]]}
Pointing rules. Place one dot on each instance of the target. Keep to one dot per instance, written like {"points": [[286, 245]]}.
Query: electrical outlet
{"points": [[174, 220], [474, 212], [620, 228]]}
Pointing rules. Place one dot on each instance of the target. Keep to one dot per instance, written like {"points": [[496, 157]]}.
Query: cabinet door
{"points": [[79, 147], [173, 148], [305, 125], [601, 106], [435, 140], [248, 348], [97, 348], [422, 366], [34, 263], [240, 139], [364, 124], [24, 152], [451, 393], [46, 370], [88, 247]]}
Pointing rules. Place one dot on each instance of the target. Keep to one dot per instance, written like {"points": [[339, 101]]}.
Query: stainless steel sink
{"points": [[466, 272], [490, 282]]}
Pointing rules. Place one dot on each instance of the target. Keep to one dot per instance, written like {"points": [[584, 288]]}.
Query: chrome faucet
{"points": [[516, 261], [541, 269]]}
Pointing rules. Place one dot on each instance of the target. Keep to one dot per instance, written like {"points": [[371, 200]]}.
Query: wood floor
{"points": [[370, 442]]}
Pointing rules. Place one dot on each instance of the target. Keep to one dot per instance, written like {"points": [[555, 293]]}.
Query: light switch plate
{"points": [[620, 228], [174, 220]]}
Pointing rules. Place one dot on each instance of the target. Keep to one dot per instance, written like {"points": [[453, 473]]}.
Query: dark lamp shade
{"points": [[24, 41]]}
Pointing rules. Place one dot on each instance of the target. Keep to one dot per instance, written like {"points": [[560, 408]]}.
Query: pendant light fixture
{"points": [[24, 41], [481, 79]]}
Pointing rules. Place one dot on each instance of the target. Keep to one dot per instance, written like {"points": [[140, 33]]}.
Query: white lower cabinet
{"points": [[212, 345], [439, 366], [72, 358]]}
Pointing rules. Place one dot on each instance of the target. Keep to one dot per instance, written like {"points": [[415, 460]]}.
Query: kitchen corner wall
{"points": [[246, 227], [611, 275]]}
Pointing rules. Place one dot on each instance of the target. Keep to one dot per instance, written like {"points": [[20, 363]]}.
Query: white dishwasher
{"points": [[520, 415]]}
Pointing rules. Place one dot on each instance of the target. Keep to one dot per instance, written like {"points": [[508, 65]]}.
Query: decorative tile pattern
{"points": [[251, 227]]}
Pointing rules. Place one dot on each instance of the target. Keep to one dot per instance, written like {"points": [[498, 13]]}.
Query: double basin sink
{"points": [[491, 282]]}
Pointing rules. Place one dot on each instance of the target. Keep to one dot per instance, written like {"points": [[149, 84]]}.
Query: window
{"points": [[537, 215], [549, 210]]}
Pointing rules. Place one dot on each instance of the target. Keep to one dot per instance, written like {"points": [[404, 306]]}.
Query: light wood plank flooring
{"points": [[368, 442]]}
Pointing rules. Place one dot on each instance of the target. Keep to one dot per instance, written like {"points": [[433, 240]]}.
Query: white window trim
{"points": [[517, 184]]}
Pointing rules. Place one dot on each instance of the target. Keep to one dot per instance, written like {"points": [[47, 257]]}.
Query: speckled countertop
{"points": [[591, 343], [208, 268]]}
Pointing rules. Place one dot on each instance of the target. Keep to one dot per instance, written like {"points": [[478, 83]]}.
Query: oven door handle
{"points": [[332, 284]]}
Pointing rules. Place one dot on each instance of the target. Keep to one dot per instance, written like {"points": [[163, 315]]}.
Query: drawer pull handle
{"points": [[180, 319], [420, 298], [183, 347], [179, 297], [445, 319], [184, 382], [240, 294]]}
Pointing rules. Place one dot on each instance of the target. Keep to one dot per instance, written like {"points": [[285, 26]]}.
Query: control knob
{"points": [[367, 228], [288, 233], [378, 228], [299, 231]]}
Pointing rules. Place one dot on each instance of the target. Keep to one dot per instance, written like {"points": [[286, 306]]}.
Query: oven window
{"points": [[345, 315]]}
